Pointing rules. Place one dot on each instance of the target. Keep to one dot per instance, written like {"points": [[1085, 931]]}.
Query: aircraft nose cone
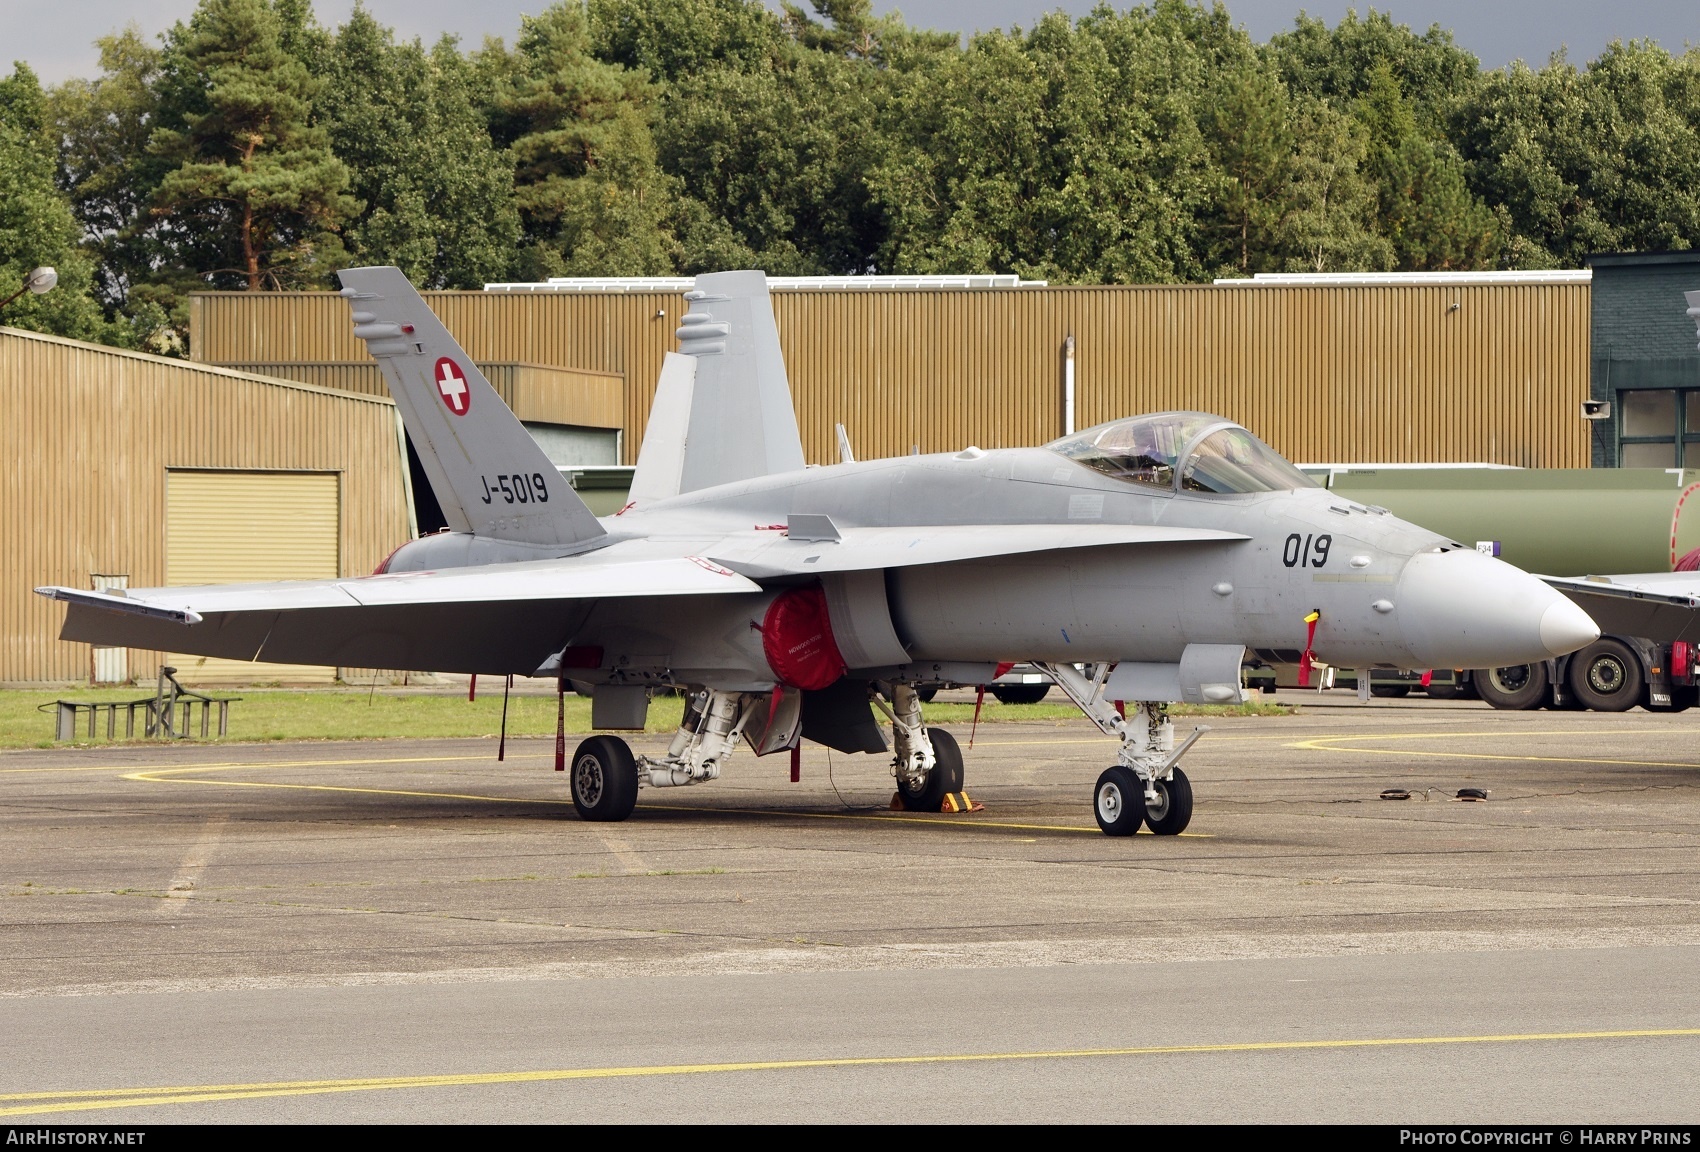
{"points": [[1565, 628], [1461, 609]]}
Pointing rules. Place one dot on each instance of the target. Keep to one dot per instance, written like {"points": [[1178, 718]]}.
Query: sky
{"points": [[56, 38]]}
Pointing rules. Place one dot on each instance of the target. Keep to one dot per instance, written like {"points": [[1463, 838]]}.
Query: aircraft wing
{"points": [[1662, 606], [814, 544], [498, 618]]}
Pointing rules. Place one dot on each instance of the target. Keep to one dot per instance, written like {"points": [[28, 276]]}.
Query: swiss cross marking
{"points": [[451, 382]]}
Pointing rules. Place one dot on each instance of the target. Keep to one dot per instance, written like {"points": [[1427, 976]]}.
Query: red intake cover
{"points": [[796, 638]]}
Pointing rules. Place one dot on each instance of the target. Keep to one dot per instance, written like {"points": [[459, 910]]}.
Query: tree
{"points": [[591, 198], [101, 129], [1070, 153], [1339, 64], [770, 166], [1426, 211], [674, 39], [1329, 224], [254, 196], [37, 226], [438, 198], [1590, 161]]}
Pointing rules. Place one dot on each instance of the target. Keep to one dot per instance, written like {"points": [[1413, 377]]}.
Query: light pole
{"points": [[41, 280]]}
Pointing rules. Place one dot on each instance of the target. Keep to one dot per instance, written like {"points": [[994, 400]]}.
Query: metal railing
{"points": [[169, 713]]}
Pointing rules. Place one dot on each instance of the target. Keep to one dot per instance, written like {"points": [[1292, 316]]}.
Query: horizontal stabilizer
{"points": [[762, 555]]}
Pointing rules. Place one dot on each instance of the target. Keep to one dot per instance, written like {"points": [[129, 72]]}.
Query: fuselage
{"points": [[1387, 592]]}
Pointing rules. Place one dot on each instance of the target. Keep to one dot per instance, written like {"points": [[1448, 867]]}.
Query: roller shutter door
{"points": [[228, 527]]}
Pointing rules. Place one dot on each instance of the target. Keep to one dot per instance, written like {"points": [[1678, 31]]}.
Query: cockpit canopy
{"points": [[1212, 455]]}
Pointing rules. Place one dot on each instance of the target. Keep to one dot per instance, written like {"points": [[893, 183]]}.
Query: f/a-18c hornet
{"points": [[1134, 563]]}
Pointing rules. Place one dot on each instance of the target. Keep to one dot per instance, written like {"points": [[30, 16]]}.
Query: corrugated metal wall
{"points": [[534, 391], [226, 526], [1324, 373], [88, 436]]}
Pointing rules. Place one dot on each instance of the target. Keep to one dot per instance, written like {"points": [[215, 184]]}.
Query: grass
{"points": [[350, 714]]}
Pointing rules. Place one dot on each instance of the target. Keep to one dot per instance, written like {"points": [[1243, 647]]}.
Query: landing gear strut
{"points": [[927, 762], [1145, 784], [605, 775]]}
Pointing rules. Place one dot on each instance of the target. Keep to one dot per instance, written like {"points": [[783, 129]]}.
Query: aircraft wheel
{"points": [[1118, 801], [1517, 687], [1606, 676], [604, 780], [1172, 811], [1022, 693], [946, 775]]}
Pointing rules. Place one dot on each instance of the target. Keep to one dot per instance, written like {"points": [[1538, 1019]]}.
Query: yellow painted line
{"points": [[239, 764], [79, 768], [911, 819], [1497, 734], [42, 1103], [165, 776], [1332, 744], [170, 776]]}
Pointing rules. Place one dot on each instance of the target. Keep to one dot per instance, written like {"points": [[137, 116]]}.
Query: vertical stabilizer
{"points": [[661, 460], [741, 422], [486, 471]]}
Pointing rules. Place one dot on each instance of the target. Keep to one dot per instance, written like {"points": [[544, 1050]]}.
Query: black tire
{"points": [[603, 777], [1173, 810], [946, 775], [1438, 691], [1118, 801], [926, 694], [1021, 693], [1606, 676], [1683, 698], [1518, 687], [1390, 691]]}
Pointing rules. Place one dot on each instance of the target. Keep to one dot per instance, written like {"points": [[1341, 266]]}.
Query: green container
{"points": [[1552, 521]]}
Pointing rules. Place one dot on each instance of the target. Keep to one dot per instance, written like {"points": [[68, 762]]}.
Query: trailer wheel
{"points": [[1606, 676], [1518, 686], [1684, 697]]}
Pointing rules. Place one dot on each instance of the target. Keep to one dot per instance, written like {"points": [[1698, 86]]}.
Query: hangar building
{"points": [[128, 467]]}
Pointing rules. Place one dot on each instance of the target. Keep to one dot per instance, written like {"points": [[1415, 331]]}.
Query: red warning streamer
{"points": [[1310, 641], [561, 724]]}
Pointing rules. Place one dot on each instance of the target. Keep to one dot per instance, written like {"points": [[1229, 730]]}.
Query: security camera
{"points": [[1596, 409]]}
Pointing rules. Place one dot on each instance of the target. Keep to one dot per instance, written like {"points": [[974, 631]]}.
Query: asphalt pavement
{"points": [[408, 930]]}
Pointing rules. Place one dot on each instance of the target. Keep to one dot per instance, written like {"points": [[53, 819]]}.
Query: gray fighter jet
{"points": [[1134, 563]]}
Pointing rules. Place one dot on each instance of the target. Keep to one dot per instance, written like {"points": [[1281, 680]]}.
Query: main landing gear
{"points": [[605, 776], [927, 761], [1145, 785]]}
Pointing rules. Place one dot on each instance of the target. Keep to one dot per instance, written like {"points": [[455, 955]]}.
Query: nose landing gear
{"points": [[1145, 785]]}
